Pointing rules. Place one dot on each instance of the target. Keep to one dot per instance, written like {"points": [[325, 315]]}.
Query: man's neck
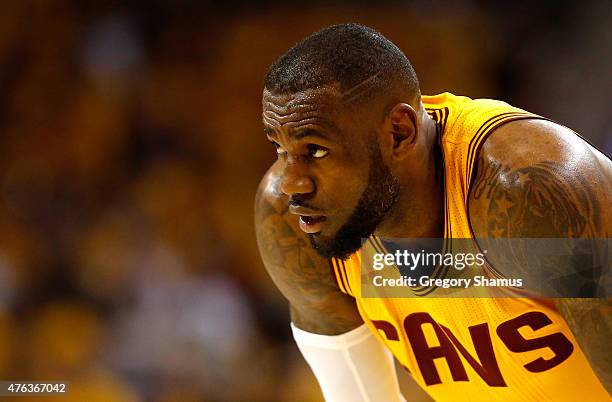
{"points": [[419, 210]]}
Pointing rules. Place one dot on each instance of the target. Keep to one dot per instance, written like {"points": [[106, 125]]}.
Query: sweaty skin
{"points": [[322, 146]]}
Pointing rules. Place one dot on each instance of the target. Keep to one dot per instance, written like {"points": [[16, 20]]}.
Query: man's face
{"points": [[330, 167]]}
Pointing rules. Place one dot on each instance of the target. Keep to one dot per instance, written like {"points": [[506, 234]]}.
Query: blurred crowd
{"points": [[131, 148]]}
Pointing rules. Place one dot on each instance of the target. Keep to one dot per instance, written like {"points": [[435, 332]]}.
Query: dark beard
{"points": [[377, 199]]}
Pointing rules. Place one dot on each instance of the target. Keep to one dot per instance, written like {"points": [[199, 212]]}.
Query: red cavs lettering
{"points": [[557, 342], [489, 369], [485, 363], [425, 354], [388, 329]]}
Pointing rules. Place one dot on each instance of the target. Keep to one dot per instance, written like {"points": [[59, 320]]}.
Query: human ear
{"points": [[403, 129]]}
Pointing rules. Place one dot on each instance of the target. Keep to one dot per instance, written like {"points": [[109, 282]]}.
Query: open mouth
{"points": [[311, 224]]}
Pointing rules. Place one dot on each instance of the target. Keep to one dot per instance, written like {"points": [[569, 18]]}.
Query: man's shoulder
{"points": [[302, 276], [276, 229], [269, 198], [537, 138], [527, 142], [542, 179], [284, 248]]}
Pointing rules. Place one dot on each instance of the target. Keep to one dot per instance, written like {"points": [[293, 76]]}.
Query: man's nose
{"points": [[295, 180]]}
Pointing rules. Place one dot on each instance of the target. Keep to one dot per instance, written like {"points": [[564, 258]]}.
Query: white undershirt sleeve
{"points": [[351, 367]]}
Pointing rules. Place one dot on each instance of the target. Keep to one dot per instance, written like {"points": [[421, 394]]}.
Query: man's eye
{"points": [[317, 151]]}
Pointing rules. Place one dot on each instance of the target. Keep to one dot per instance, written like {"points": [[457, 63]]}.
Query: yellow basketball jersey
{"points": [[474, 349]]}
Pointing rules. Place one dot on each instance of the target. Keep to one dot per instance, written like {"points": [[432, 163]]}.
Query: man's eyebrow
{"points": [[297, 134], [307, 132]]}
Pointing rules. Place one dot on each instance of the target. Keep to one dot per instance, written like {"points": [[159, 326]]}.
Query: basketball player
{"points": [[362, 154]]}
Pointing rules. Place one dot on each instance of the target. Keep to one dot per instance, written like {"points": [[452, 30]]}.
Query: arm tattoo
{"points": [[541, 201], [546, 200], [486, 175], [282, 248], [305, 278], [537, 201]]}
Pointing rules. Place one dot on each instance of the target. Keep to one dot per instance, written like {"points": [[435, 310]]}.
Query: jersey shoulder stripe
{"points": [[339, 269]]}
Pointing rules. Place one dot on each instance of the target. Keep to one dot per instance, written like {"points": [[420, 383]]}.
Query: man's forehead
{"points": [[322, 98]]}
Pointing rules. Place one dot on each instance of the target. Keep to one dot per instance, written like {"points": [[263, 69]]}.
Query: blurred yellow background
{"points": [[131, 147]]}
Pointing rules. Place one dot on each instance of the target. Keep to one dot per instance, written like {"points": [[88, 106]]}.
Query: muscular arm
{"points": [[350, 364], [535, 179], [304, 278]]}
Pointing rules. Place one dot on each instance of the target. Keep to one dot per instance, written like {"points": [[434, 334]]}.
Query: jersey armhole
{"points": [[483, 133]]}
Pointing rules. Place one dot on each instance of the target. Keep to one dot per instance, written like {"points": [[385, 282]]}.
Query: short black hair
{"points": [[348, 54]]}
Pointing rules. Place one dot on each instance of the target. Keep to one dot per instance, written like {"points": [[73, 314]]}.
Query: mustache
{"points": [[296, 202]]}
